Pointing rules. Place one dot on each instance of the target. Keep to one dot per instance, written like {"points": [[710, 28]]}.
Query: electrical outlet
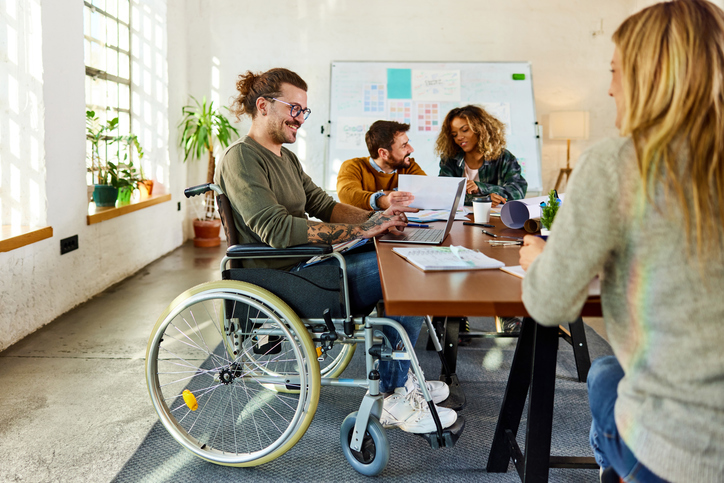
{"points": [[68, 244]]}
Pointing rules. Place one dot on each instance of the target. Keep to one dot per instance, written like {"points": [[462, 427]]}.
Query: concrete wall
{"points": [[37, 284]]}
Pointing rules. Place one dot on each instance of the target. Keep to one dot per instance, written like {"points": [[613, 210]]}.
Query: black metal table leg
{"points": [[536, 459], [580, 349], [516, 392]]}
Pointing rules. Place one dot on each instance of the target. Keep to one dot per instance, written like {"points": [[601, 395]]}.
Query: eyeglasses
{"points": [[295, 109]]}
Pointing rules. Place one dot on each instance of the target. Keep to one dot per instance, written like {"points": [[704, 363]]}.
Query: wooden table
{"points": [[408, 290]]}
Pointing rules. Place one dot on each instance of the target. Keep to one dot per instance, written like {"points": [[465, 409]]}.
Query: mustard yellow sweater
{"points": [[357, 181]]}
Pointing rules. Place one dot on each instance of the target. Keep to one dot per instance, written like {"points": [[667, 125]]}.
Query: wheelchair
{"points": [[234, 367]]}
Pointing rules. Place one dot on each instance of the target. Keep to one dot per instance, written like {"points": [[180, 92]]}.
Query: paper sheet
{"points": [[431, 192], [424, 216], [594, 288]]}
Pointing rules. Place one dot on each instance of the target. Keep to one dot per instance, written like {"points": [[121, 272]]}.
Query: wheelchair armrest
{"points": [[262, 250]]}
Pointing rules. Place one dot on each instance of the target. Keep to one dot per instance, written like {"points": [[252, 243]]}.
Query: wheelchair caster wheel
{"points": [[374, 454]]}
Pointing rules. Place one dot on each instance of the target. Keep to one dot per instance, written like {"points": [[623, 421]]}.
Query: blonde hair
{"points": [[673, 86], [490, 131]]}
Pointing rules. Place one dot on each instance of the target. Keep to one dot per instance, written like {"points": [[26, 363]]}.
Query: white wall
{"points": [[37, 284], [570, 63]]}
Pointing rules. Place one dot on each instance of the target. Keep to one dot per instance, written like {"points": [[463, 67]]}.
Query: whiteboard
{"points": [[421, 94]]}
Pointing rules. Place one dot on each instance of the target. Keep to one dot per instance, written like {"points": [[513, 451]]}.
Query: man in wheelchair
{"points": [[271, 196]]}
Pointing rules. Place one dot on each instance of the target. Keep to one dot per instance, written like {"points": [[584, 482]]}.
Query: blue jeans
{"points": [[365, 291], [608, 447]]}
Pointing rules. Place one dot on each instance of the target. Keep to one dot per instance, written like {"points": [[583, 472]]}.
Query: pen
{"points": [[502, 236], [478, 224], [415, 225]]}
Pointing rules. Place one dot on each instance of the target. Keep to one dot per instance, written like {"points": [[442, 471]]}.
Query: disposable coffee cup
{"points": [[481, 209]]}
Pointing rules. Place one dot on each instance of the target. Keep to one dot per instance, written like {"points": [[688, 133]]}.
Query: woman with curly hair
{"points": [[471, 145], [645, 212]]}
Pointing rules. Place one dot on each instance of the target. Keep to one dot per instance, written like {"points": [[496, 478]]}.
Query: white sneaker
{"points": [[439, 391], [407, 410]]}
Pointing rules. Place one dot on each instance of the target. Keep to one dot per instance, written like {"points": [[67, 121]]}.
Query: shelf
{"points": [[18, 236], [96, 215]]}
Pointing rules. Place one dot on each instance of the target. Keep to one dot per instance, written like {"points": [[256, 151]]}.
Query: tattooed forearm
{"points": [[331, 233]]}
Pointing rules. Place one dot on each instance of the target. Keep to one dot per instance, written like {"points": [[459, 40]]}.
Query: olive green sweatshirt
{"points": [[271, 196]]}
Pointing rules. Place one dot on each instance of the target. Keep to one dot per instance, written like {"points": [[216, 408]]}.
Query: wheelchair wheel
{"points": [[374, 454], [212, 392]]}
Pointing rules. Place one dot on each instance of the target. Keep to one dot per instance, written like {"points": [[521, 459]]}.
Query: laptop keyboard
{"points": [[424, 234]]}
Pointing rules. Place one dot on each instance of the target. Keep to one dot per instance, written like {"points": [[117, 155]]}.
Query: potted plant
{"points": [[548, 212], [145, 185], [202, 126], [103, 174], [112, 181], [128, 177]]}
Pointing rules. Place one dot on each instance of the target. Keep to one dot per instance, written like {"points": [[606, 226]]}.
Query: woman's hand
{"points": [[471, 188], [532, 247], [497, 199]]}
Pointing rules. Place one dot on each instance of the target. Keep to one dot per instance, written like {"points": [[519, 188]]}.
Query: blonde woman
{"points": [[645, 212], [471, 145]]}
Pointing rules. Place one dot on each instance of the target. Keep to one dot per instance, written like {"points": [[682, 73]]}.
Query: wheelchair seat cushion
{"points": [[307, 293]]}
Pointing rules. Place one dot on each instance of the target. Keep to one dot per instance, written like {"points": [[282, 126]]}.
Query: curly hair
{"points": [[252, 86], [490, 131]]}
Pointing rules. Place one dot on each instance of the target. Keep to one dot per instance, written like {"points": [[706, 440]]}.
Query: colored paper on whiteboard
{"points": [[428, 117], [436, 85], [374, 98], [399, 83], [400, 111]]}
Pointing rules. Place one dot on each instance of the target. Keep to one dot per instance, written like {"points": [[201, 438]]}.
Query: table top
{"points": [[407, 290]]}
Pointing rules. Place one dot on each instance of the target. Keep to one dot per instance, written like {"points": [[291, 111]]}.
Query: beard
{"points": [[401, 163], [280, 132]]}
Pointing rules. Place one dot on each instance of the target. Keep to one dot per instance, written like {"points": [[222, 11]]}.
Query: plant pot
{"points": [[105, 195], [145, 187], [124, 195], [207, 233]]}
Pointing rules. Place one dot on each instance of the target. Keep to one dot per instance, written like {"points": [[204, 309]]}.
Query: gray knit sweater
{"points": [[271, 196], [664, 312]]}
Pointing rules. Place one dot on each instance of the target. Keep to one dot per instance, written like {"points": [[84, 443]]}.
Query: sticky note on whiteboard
{"points": [[518, 76]]}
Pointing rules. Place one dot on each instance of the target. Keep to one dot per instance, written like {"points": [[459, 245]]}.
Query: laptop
{"points": [[427, 236]]}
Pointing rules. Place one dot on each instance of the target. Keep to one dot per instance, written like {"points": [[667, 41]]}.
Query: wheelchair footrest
{"points": [[450, 435], [456, 400]]}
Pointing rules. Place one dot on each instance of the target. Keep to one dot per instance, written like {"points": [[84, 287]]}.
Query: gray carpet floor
{"points": [[483, 368]]}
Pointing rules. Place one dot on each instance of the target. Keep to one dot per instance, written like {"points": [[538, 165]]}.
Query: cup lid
{"points": [[482, 199]]}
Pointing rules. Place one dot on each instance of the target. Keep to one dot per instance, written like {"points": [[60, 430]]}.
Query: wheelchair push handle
{"points": [[201, 189]]}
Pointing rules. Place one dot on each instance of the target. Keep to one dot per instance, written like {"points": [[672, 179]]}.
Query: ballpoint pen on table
{"points": [[417, 225], [502, 236], [478, 224]]}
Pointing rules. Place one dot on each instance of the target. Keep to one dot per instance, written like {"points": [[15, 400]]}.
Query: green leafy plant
{"points": [[121, 174], [102, 172], [549, 210], [202, 126]]}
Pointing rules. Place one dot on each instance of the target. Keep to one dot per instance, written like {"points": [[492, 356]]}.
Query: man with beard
{"points": [[271, 196], [371, 183]]}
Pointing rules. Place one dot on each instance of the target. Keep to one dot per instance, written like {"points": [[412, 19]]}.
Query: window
{"points": [[22, 135], [107, 29]]}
